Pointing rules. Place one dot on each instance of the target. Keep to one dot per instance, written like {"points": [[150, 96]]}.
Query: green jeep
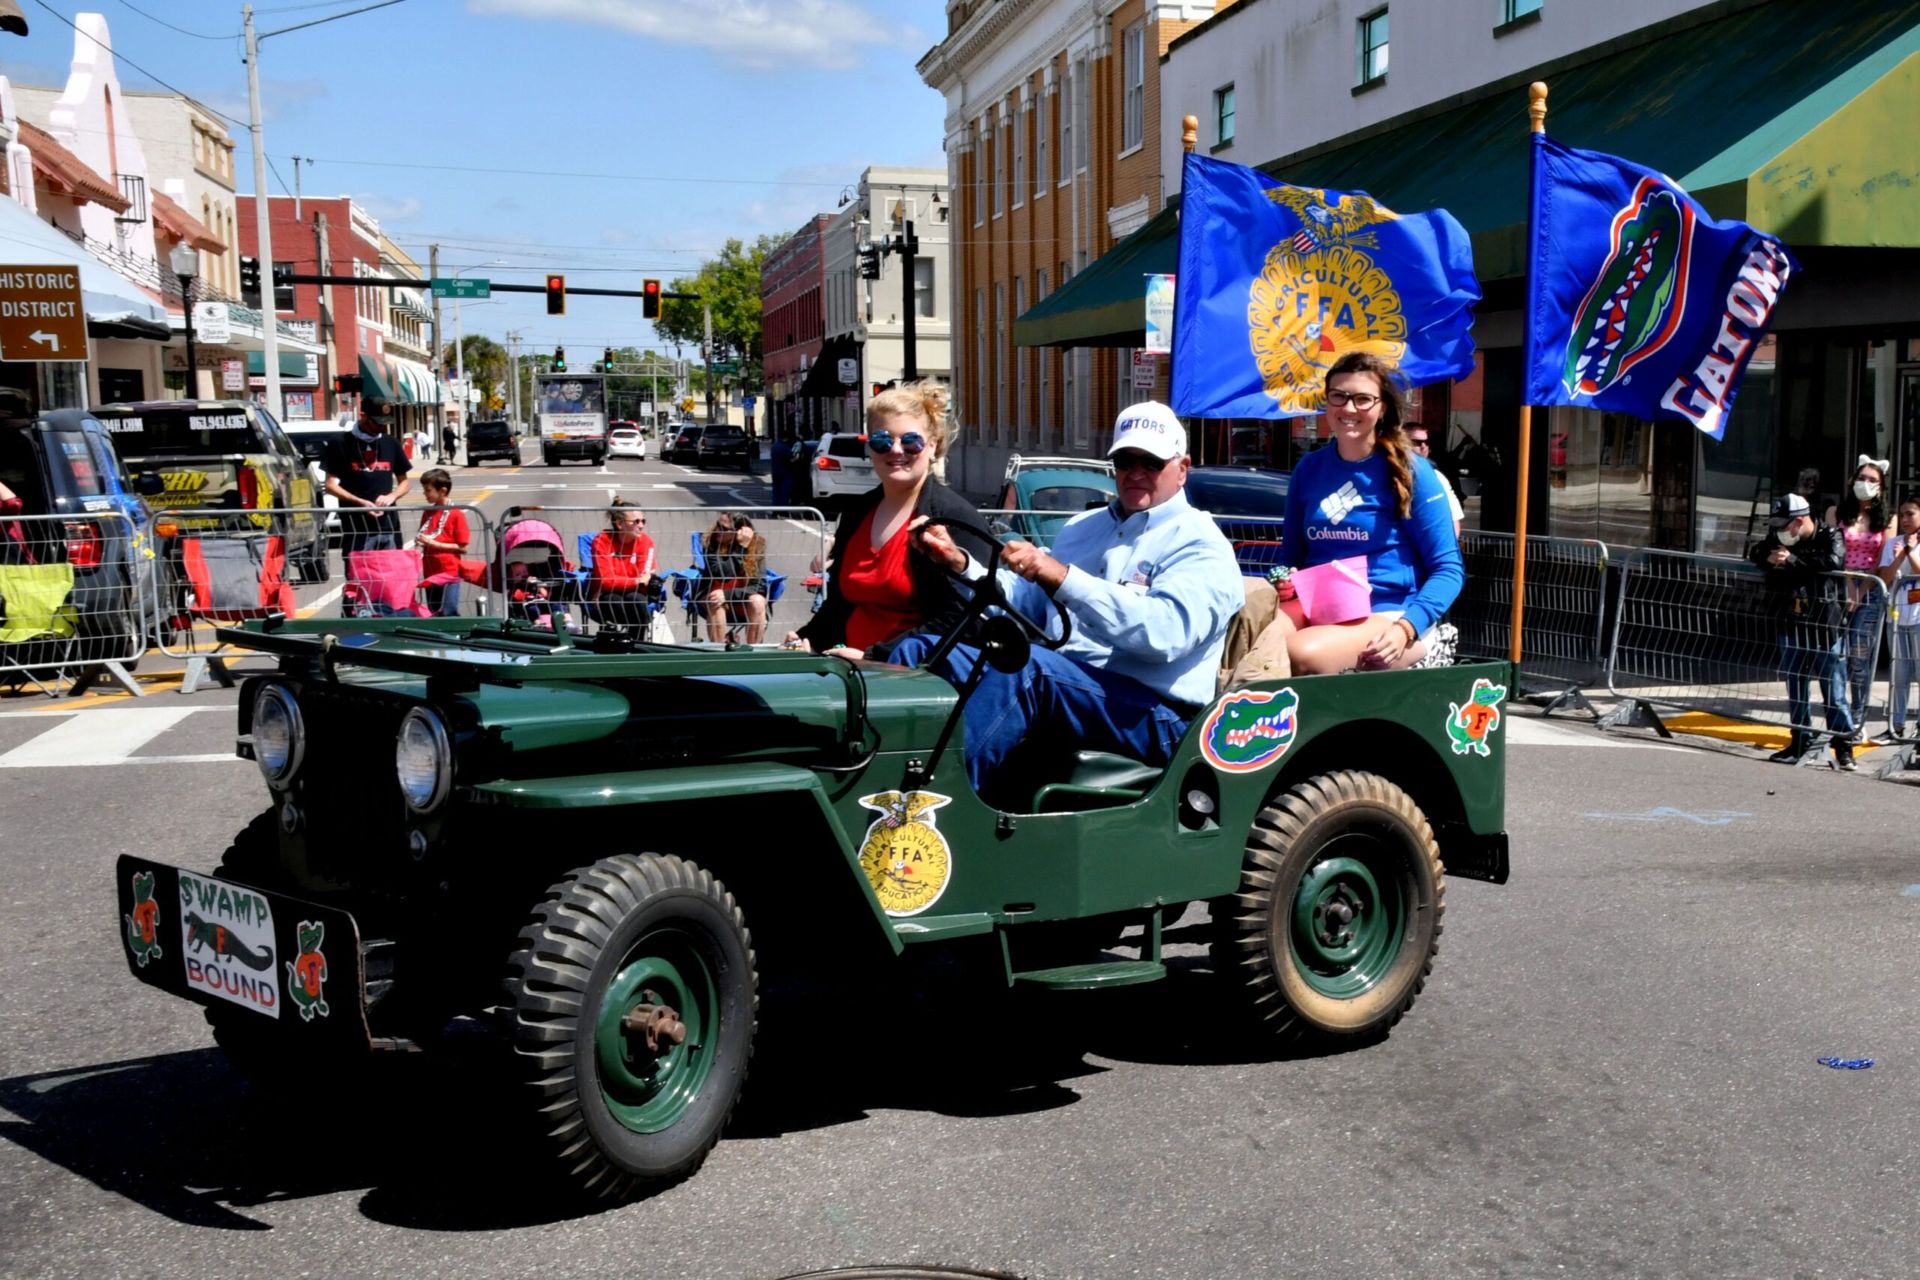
{"points": [[572, 838]]}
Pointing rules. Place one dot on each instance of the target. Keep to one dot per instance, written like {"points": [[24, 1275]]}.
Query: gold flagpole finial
{"points": [[1189, 132], [1537, 106]]}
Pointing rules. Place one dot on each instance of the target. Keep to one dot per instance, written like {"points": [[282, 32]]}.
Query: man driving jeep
{"points": [[1149, 584]]}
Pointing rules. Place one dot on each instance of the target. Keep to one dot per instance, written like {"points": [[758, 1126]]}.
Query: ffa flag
{"points": [[1278, 282], [1637, 301]]}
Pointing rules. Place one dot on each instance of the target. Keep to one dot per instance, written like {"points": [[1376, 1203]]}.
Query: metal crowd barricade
{"points": [[1902, 644], [75, 599], [544, 570], [227, 565], [1711, 634], [1563, 633]]}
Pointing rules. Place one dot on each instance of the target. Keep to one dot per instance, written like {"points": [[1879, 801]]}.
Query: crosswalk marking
{"points": [[1525, 732], [106, 738]]}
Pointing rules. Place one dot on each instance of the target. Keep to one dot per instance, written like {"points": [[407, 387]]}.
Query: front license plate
{"points": [[224, 943]]}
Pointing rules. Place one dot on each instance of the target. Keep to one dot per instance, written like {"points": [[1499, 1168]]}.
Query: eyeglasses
{"points": [[1130, 461], [911, 442], [634, 522], [1418, 442], [1359, 400]]}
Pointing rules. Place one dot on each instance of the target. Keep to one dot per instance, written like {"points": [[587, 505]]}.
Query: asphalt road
{"points": [[1612, 1071]]}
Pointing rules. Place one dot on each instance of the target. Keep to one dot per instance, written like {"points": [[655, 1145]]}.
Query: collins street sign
{"points": [[41, 314]]}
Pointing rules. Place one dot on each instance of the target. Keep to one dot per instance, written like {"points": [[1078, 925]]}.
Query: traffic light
{"points": [[559, 359], [650, 299], [870, 262], [347, 384], [556, 295], [250, 282], [283, 286], [607, 363]]}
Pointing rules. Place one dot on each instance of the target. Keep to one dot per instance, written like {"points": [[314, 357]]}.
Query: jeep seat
{"points": [[1097, 780]]}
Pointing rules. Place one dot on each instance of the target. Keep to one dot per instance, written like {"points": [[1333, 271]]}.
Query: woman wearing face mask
{"points": [[1861, 517], [1900, 570]]}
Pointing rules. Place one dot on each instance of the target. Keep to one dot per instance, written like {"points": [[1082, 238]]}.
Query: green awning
{"points": [[1105, 305], [375, 382], [292, 364], [1797, 116]]}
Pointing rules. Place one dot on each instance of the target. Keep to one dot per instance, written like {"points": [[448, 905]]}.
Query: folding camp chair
{"points": [[38, 623], [384, 584], [230, 579], [657, 630], [686, 585]]}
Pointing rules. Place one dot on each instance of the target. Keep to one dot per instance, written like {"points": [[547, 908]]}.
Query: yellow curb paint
{"points": [[1702, 724]]}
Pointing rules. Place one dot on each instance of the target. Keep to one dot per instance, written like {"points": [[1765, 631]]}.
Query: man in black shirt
{"points": [[367, 472]]}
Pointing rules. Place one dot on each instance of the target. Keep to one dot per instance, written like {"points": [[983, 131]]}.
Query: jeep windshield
{"points": [[191, 431]]}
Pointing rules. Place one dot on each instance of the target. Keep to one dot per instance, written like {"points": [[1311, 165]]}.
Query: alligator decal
{"points": [[143, 922], [1636, 302], [308, 971], [906, 857], [1468, 726], [220, 940], [1250, 729]]}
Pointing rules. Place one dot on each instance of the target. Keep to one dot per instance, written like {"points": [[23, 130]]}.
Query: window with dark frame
{"points": [[1514, 10], [1223, 116], [1133, 120], [1373, 47]]}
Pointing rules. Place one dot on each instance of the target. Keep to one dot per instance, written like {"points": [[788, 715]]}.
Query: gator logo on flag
{"points": [[1639, 296]]}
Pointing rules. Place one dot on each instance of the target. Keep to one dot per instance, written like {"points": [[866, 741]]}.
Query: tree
{"points": [[486, 361], [730, 284]]}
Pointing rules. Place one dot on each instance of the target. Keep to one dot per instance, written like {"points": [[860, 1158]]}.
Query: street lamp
{"points": [[185, 262], [459, 344]]}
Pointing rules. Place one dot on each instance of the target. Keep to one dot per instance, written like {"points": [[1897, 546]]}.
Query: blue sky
{"points": [[704, 119]]}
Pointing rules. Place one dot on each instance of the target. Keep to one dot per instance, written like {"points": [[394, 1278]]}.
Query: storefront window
{"points": [[1730, 506], [63, 385], [1600, 469], [299, 405]]}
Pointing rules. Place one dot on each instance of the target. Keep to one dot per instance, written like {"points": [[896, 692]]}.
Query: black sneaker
{"points": [[1885, 738], [1787, 755], [1843, 757]]}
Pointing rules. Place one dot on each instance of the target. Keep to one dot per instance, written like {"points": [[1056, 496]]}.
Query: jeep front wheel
{"points": [[1337, 920], [634, 996]]}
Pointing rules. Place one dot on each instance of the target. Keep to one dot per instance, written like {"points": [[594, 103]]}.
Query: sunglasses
{"points": [[1418, 442], [911, 442], [1359, 400], [1123, 462]]}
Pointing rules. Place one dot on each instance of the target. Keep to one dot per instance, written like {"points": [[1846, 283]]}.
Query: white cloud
{"points": [[756, 33], [388, 210], [615, 235]]}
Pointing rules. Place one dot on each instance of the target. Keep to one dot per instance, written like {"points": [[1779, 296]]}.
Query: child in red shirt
{"points": [[443, 536]]}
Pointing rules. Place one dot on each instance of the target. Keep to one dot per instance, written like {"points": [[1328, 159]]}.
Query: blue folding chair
{"points": [[583, 546], [686, 585]]}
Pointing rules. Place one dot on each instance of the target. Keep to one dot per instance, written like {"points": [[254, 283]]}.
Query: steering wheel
{"points": [[986, 590]]}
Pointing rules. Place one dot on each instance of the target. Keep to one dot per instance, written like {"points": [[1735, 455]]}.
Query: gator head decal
{"points": [[1637, 300], [1249, 729], [306, 973], [143, 922], [1469, 725]]}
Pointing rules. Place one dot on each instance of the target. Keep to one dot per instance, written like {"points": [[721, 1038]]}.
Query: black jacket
{"points": [[940, 599], [1797, 591]]}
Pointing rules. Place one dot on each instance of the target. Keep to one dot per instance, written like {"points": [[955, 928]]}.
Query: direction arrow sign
{"points": [[448, 287], [41, 314]]}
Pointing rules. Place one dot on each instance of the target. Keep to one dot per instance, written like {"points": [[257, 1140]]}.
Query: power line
{"points": [[596, 177], [142, 70], [169, 26]]}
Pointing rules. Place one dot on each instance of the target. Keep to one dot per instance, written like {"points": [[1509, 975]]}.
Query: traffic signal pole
{"points": [[909, 245]]}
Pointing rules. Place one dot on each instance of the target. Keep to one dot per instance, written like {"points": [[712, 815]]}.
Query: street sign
{"points": [[41, 314], [448, 287], [459, 390], [212, 322], [646, 408], [849, 370], [724, 367], [233, 375], [1145, 370]]}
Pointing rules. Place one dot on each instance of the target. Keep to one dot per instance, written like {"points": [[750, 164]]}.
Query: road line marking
{"points": [[481, 496], [95, 740], [315, 606]]}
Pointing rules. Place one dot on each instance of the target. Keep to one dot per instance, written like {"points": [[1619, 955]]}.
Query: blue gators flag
{"points": [[1637, 301], [1278, 282]]}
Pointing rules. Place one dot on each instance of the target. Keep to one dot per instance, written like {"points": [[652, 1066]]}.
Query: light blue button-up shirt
{"points": [[1150, 595]]}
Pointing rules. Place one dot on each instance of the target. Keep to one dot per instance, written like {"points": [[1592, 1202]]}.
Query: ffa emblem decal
{"points": [[308, 971], [1636, 302], [1250, 729], [1468, 726], [905, 856], [1320, 295], [143, 923]]}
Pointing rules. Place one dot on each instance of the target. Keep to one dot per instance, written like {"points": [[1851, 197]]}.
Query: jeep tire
{"points": [[1334, 929], [623, 1117]]}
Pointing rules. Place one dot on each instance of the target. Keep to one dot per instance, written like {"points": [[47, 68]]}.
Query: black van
{"points": [[493, 438]]}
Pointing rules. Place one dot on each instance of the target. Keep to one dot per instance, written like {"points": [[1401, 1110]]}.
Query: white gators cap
{"points": [[1150, 427]]}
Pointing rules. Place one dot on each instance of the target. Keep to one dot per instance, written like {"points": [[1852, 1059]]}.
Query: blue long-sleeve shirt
{"points": [[1150, 595], [1337, 509]]}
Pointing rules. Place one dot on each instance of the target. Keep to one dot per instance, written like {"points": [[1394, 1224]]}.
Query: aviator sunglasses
{"points": [[911, 442]]}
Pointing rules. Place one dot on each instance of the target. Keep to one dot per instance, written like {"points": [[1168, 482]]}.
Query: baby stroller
{"points": [[540, 585]]}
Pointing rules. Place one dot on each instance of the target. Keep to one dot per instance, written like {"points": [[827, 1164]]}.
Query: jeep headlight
{"points": [[423, 757], [279, 734]]}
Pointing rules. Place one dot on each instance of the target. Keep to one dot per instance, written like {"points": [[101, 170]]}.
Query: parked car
{"points": [[723, 445], [625, 440], [63, 463], [842, 467], [683, 444], [221, 456], [315, 440], [493, 438], [1250, 506], [1065, 485]]}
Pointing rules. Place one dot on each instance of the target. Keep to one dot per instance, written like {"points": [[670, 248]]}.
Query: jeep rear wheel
{"points": [[1337, 920], [634, 996]]}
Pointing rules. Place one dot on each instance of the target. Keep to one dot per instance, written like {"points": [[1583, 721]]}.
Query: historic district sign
{"points": [[41, 314]]}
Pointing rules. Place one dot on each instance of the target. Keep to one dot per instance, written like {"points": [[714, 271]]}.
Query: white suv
{"points": [[841, 468]]}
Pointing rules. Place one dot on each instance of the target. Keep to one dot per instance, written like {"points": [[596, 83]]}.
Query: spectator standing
{"points": [[1862, 517], [368, 472], [1900, 570], [1422, 446], [449, 442], [443, 537], [1797, 556], [780, 467]]}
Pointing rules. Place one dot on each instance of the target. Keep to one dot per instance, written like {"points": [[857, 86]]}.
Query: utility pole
{"points": [[706, 351], [439, 379], [325, 259], [513, 352], [263, 223], [296, 194], [909, 245]]}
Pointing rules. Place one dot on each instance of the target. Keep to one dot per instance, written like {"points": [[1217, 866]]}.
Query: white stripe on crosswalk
{"points": [[1527, 732], [105, 738]]}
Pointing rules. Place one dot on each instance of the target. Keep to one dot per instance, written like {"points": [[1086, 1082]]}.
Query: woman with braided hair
{"points": [[1369, 495]]}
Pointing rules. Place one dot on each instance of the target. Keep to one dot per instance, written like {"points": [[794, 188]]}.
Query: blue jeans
{"points": [[1906, 673], [444, 600], [1053, 705], [1863, 629], [1806, 653]]}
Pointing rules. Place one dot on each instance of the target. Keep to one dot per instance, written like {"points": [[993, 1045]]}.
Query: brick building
{"points": [[793, 324], [1054, 156]]}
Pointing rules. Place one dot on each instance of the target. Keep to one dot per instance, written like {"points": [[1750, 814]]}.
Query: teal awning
{"points": [[375, 382], [292, 364], [1105, 305]]}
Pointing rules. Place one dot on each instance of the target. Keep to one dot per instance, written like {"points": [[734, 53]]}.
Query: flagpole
{"points": [[1536, 123], [1189, 139]]}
